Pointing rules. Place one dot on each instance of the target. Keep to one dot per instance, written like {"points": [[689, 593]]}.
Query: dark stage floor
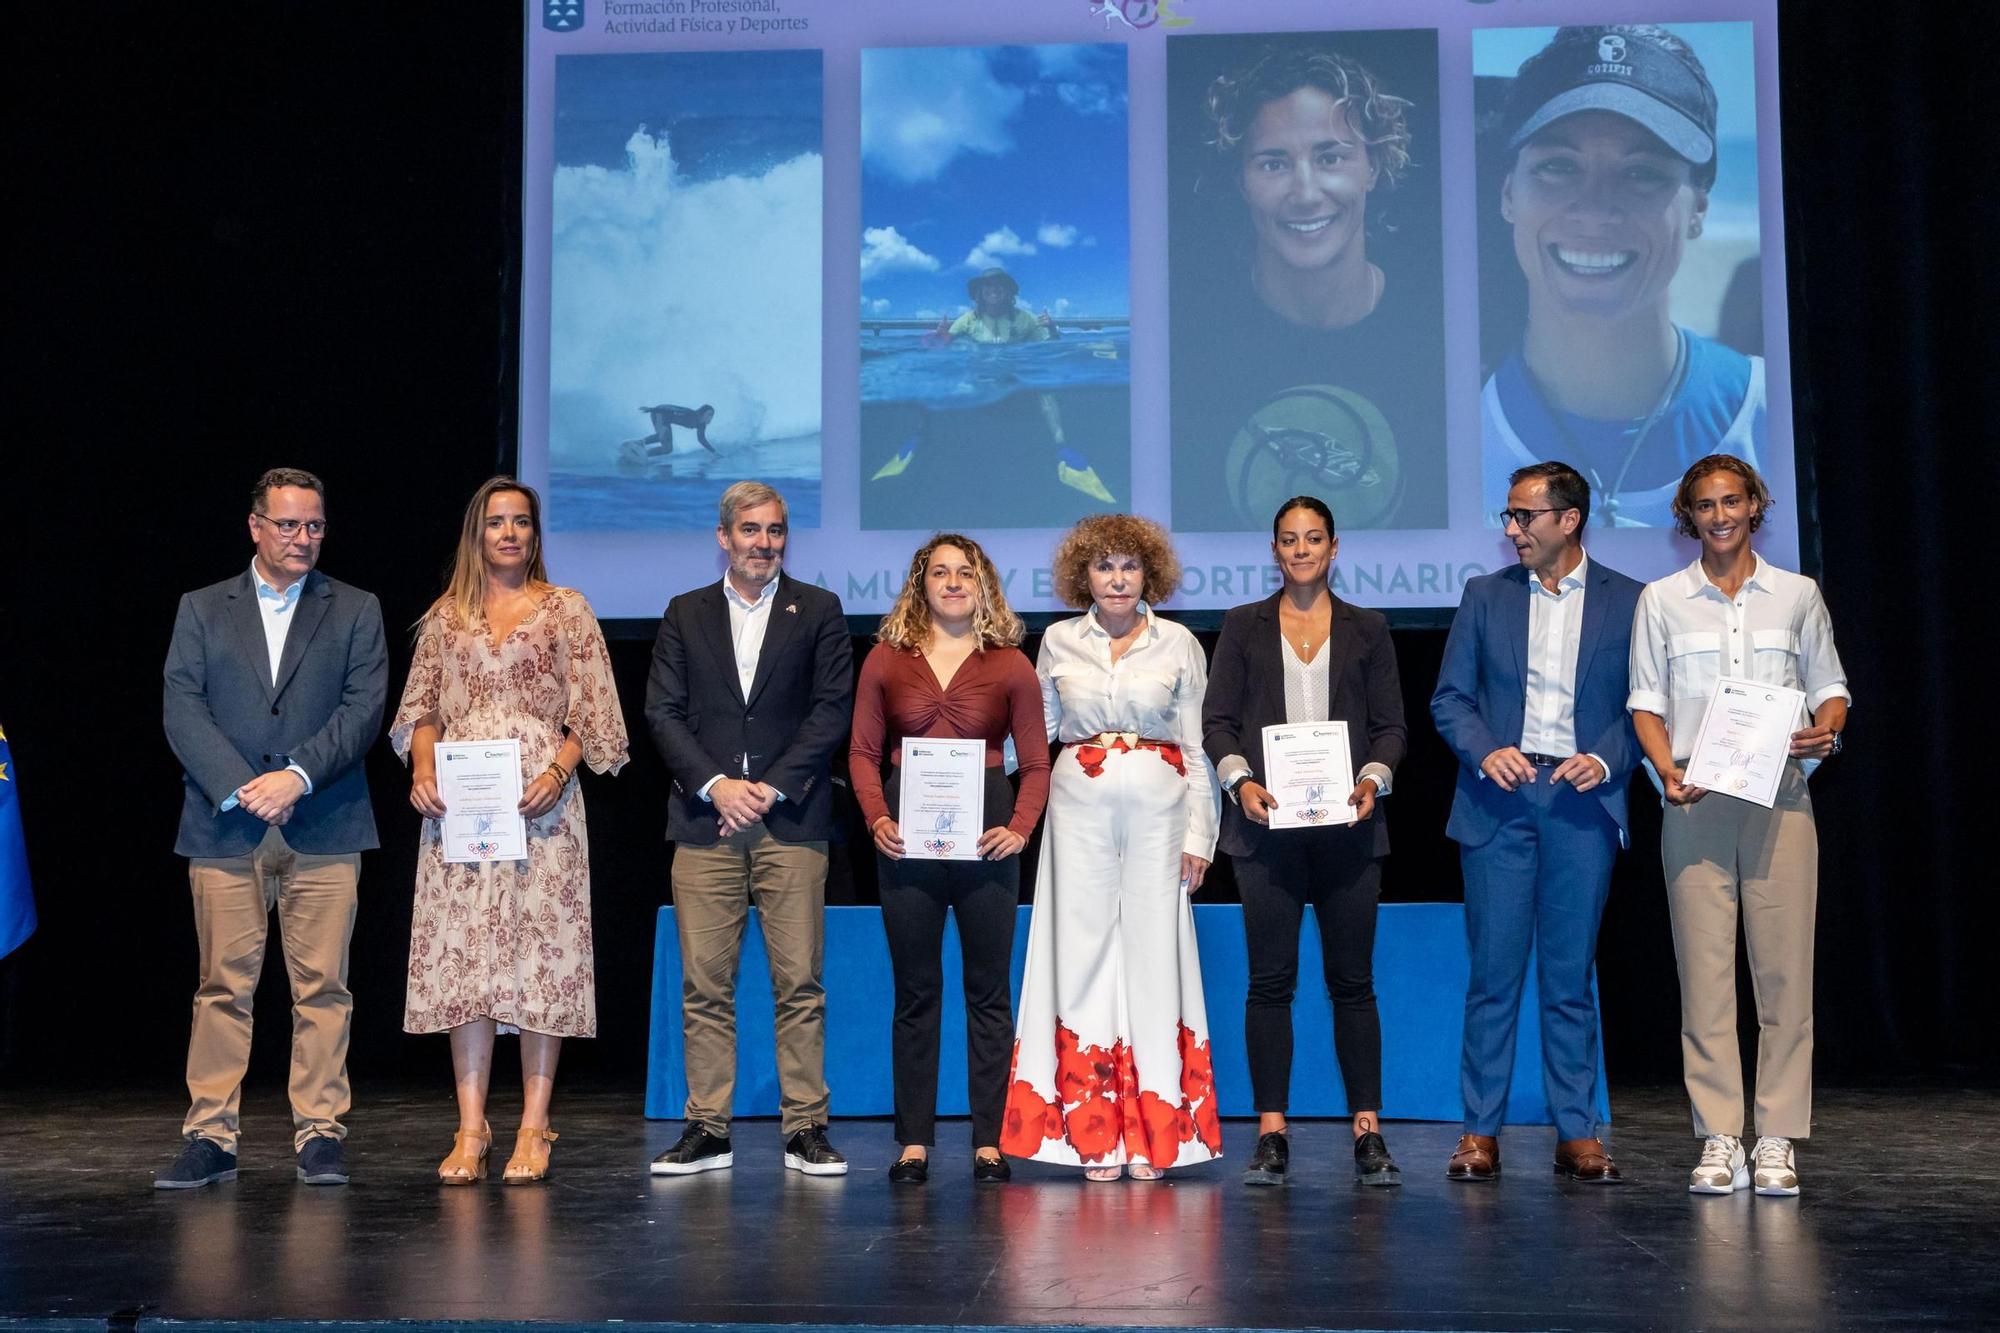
{"points": [[1897, 1229]]}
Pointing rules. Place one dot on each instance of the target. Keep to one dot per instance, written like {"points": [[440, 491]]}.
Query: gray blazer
{"points": [[227, 723]]}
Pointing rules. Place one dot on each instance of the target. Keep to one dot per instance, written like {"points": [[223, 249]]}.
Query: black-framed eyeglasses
{"points": [[1521, 518], [288, 528]]}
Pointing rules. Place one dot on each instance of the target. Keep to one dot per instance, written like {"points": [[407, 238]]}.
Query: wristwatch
{"points": [[1237, 780], [1838, 743]]}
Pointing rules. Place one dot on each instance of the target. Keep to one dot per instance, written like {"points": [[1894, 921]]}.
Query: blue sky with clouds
{"points": [[1007, 155]]}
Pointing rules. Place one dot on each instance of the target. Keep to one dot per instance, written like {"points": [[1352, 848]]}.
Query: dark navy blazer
{"points": [[1482, 691]]}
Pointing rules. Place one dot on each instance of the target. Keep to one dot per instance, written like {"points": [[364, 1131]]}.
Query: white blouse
{"points": [[1688, 633], [1153, 690]]}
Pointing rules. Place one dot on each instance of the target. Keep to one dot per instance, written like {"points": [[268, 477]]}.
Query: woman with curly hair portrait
{"points": [[946, 663], [1305, 359], [1111, 1056]]}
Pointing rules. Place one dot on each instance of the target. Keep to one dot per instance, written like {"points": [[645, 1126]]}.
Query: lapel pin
{"points": [[792, 609]]}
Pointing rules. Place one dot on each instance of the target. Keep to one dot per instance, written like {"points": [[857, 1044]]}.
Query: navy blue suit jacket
{"points": [[800, 706], [1482, 691]]}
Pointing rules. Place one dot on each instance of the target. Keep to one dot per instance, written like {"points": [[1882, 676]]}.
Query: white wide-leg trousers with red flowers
{"points": [[1111, 1059]]}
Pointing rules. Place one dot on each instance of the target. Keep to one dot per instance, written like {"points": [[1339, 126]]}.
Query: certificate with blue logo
{"points": [[1310, 771], [480, 784], [1745, 739], [942, 804]]}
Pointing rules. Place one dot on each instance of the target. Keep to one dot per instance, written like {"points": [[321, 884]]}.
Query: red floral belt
{"points": [[1092, 753]]}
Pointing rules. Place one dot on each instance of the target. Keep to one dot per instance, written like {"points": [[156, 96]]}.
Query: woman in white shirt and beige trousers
{"points": [[1732, 614]]}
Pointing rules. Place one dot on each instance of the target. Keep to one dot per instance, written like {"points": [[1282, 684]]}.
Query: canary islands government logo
{"points": [[562, 15]]}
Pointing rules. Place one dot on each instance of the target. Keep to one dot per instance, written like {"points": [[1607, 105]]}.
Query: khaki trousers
{"points": [[1724, 856], [233, 898], [714, 888]]}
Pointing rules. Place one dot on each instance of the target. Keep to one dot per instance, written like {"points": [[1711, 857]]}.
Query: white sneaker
{"points": [[1723, 1169], [1776, 1173]]}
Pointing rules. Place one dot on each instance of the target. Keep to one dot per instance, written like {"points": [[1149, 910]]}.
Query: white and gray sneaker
{"points": [[1723, 1169], [1775, 1172]]}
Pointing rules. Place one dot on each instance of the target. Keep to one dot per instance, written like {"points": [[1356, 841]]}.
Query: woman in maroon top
{"points": [[946, 663]]}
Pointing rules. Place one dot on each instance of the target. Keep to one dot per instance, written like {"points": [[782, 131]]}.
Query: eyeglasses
{"points": [[288, 528], [1521, 518]]}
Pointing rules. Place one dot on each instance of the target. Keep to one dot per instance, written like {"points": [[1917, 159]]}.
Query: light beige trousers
{"points": [[714, 888], [233, 898], [1724, 858]]}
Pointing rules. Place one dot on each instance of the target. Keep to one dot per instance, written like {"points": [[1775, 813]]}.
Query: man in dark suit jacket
{"points": [[752, 691], [274, 692], [1531, 698]]}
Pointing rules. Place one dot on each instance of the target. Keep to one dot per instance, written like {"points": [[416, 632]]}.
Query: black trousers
{"points": [[1334, 870], [915, 897]]}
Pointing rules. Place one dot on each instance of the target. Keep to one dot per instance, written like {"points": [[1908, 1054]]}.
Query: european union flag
{"points": [[17, 899]]}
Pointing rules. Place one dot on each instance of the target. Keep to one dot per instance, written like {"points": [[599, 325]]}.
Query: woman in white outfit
{"points": [[1111, 1054]]}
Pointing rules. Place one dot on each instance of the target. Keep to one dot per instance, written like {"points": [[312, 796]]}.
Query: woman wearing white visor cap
{"points": [[1611, 133]]}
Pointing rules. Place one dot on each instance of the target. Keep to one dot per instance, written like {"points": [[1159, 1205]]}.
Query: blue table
{"points": [[1420, 976]]}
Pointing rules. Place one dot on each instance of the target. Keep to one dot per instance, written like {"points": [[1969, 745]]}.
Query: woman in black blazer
{"points": [[1303, 655]]}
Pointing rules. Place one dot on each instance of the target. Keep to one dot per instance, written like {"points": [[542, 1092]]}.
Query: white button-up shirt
{"points": [[1555, 630], [747, 622], [275, 609], [1688, 632], [1153, 690]]}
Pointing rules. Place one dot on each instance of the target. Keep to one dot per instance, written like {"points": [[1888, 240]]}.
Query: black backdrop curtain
{"points": [[284, 235]]}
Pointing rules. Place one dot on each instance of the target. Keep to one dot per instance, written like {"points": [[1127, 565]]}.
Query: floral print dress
{"points": [[511, 940]]}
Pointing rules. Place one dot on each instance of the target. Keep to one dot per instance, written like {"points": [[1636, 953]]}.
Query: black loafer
{"points": [[991, 1170], [1372, 1163], [910, 1171], [1269, 1163]]}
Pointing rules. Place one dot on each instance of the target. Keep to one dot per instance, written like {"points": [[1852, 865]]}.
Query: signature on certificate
{"points": [[947, 821]]}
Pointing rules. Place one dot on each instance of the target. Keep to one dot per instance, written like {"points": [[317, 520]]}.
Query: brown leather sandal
{"points": [[467, 1163], [530, 1161]]}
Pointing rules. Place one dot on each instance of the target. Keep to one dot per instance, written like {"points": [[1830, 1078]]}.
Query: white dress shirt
{"points": [[748, 622], [1555, 629], [1689, 632], [1308, 698], [275, 609], [1153, 691]]}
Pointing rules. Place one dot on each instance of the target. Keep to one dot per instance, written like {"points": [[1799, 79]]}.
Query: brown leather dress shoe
{"points": [[1477, 1158], [1586, 1161]]}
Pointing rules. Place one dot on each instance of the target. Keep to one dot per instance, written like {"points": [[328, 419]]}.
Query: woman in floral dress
{"points": [[1111, 1057], [505, 946]]}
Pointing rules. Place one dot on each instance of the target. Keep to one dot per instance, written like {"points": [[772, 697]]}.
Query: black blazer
{"points": [[791, 725], [1246, 693]]}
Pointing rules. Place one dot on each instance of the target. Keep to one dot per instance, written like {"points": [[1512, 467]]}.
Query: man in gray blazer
{"points": [[274, 692]]}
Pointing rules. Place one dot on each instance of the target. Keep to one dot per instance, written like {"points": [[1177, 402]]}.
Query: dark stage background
{"points": [[265, 235]]}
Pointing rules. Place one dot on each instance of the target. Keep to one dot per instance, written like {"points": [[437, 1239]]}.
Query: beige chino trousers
{"points": [[714, 888], [233, 898], [1724, 858]]}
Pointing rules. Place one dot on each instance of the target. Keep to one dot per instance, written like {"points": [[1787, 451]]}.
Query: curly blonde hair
{"points": [[908, 624], [1115, 534], [1276, 72]]}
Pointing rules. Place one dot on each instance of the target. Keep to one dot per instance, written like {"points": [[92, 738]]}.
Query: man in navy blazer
{"points": [[751, 693], [1531, 700], [274, 691]]}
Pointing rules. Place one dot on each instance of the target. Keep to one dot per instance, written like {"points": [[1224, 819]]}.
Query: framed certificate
{"points": [[1745, 740], [1310, 771], [480, 784], [942, 805]]}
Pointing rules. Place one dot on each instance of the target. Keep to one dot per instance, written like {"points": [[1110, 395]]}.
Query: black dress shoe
{"points": [[910, 1171], [991, 1170], [1269, 1163], [1372, 1163], [698, 1150]]}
